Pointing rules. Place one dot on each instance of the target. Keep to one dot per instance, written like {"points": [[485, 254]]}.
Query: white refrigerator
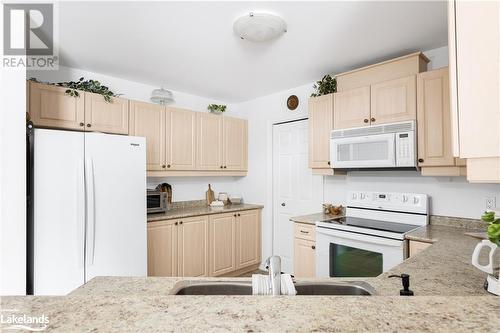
{"points": [[88, 208]]}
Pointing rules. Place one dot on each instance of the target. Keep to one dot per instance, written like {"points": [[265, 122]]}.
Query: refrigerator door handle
{"points": [[80, 213], [90, 210]]}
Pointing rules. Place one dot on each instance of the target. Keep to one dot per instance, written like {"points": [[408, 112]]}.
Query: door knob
{"points": [[372, 120], [283, 204], [366, 121]]}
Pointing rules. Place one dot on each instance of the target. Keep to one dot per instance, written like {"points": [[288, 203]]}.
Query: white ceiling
{"points": [[190, 46]]}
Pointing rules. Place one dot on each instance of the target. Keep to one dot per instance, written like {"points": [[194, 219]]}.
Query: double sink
{"points": [[357, 288]]}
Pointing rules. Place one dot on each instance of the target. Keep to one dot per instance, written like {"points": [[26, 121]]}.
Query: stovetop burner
{"points": [[400, 228]]}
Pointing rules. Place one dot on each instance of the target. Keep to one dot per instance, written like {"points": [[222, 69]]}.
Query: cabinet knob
{"points": [[163, 166], [239, 214], [313, 247], [372, 119], [221, 167], [82, 124], [329, 163], [225, 167], [180, 222], [283, 204], [88, 125], [176, 223], [421, 160], [168, 165], [366, 121], [234, 215]]}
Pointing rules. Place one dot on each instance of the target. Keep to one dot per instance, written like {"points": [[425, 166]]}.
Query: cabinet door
{"points": [[416, 247], [320, 125], [304, 258], [162, 248], [148, 120], [193, 246], [248, 238], [50, 106], [181, 139], [352, 108], [433, 115], [209, 147], [393, 101], [222, 244], [235, 144], [108, 117]]}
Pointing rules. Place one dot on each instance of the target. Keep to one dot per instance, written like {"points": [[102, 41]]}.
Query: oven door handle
{"points": [[358, 237]]}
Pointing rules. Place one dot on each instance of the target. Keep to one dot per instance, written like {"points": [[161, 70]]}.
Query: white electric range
{"points": [[369, 240]]}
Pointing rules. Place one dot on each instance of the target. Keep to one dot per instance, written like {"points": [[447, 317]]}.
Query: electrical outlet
{"points": [[490, 202]]}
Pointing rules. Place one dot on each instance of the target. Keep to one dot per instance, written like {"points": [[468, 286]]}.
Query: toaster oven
{"points": [[156, 201]]}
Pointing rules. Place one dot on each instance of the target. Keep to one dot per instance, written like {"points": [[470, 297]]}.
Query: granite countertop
{"points": [[449, 296], [313, 218], [178, 213]]}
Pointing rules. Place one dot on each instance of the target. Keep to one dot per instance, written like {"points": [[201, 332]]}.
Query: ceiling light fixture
{"points": [[162, 96], [259, 27]]}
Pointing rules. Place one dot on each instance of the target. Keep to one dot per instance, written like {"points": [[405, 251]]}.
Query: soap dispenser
{"points": [[405, 279]]}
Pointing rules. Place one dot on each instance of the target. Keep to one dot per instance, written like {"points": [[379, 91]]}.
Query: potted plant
{"points": [[325, 86], [493, 227], [92, 86], [216, 108]]}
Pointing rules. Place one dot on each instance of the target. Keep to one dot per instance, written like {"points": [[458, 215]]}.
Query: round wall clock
{"points": [[292, 102]]}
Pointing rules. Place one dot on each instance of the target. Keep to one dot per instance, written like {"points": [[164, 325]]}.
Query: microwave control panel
{"points": [[405, 149]]}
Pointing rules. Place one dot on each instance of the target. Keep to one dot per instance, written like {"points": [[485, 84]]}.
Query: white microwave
{"points": [[379, 146]]}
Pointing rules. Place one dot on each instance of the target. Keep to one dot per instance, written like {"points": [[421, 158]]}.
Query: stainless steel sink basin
{"points": [[357, 288]]}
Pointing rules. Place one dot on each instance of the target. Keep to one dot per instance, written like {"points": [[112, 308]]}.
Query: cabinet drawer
{"points": [[305, 231]]}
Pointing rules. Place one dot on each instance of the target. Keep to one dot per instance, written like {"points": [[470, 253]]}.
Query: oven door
{"points": [[347, 254], [371, 151]]}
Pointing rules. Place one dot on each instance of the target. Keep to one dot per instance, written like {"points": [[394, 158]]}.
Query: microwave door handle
{"points": [[392, 150]]}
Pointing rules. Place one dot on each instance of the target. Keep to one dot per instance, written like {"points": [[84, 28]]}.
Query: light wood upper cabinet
{"points": [[181, 139], [50, 106], [162, 248], [235, 139], [222, 244], [193, 246], [475, 86], [433, 117], [320, 125], [148, 120], [352, 108], [210, 144], [304, 258], [108, 117], [248, 238], [393, 101]]}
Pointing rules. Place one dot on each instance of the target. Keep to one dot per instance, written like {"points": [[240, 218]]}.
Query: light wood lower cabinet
{"points": [[304, 250], [192, 246], [222, 244], [162, 248], [248, 238], [208, 245], [416, 247]]}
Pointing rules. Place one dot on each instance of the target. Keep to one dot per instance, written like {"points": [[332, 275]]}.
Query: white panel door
{"points": [[59, 216], [115, 171], [296, 190]]}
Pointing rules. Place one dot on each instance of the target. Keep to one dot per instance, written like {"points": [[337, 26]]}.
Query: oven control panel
{"points": [[402, 202]]}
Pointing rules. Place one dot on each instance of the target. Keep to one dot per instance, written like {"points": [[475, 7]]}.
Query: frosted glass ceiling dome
{"points": [[259, 27]]}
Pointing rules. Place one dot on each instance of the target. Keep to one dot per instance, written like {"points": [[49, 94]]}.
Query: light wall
{"points": [[451, 196], [12, 182]]}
